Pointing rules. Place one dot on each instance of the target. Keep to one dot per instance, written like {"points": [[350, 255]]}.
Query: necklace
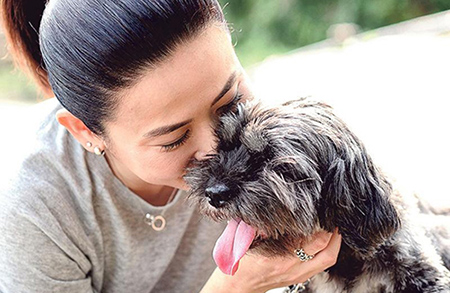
{"points": [[158, 223]]}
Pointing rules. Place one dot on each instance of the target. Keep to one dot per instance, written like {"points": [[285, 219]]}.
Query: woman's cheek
{"points": [[167, 165]]}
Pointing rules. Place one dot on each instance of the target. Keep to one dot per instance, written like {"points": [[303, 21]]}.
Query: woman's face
{"points": [[166, 119]]}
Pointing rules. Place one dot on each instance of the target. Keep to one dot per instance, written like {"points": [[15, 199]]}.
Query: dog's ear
{"points": [[355, 198]]}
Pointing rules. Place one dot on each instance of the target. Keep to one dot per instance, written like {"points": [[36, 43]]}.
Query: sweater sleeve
{"points": [[38, 249]]}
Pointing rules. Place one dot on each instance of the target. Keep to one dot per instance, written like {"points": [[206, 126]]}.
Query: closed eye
{"points": [[231, 106], [179, 142]]}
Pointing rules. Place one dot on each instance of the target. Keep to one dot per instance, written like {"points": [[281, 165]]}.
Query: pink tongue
{"points": [[232, 245]]}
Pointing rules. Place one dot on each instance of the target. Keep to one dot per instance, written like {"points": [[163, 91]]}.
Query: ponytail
{"points": [[21, 20]]}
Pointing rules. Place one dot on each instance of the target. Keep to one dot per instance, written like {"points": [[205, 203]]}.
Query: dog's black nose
{"points": [[218, 195]]}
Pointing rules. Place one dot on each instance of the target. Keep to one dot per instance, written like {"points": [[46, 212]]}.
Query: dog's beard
{"points": [[258, 221], [280, 218]]}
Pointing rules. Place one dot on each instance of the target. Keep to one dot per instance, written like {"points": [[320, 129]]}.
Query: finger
{"points": [[329, 255], [319, 241], [335, 242], [323, 260]]}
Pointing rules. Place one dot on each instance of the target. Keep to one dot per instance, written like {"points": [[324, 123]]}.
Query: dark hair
{"points": [[21, 20], [93, 48]]}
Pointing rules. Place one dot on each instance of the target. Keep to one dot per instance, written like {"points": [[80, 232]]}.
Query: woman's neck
{"points": [[156, 195], [159, 199]]}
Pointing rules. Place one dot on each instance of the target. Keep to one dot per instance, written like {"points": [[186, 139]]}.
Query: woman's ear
{"points": [[79, 130]]}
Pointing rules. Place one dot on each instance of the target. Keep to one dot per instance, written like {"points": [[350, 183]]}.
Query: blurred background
{"points": [[263, 28], [383, 65]]}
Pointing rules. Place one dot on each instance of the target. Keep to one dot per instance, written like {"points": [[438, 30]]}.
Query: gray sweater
{"points": [[67, 224]]}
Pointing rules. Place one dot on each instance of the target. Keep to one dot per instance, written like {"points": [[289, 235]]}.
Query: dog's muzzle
{"points": [[218, 195]]}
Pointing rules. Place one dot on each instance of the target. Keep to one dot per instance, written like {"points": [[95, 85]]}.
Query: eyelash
{"points": [[231, 105], [222, 110], [178, 143]]}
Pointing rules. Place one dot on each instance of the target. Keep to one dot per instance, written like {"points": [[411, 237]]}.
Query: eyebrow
{"points": [[166, 129], [170, 128], [231, 80]]}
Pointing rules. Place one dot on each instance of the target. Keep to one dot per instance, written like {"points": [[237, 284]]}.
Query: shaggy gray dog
{"points": [[281, 174]]}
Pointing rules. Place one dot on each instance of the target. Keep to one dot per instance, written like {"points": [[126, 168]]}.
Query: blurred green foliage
{"points": [[266, 27], [15, 86]]}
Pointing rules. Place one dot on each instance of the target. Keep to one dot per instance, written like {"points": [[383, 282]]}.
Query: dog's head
{"points": [[290, 171]]}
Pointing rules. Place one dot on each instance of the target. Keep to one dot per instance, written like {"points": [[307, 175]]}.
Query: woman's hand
{"points": [[257, 273]]}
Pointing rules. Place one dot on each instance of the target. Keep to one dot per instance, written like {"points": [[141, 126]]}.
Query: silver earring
{"points": [[98, 151], [89, 144]]}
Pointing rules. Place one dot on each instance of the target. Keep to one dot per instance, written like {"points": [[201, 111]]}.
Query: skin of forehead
{"points": [[161, 91]]}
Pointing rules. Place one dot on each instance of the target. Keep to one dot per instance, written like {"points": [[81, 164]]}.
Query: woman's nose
{"points": [[206, 144], [202, 155]]}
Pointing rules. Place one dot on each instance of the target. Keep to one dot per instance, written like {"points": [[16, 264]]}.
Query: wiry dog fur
{"points": [[296, 169]]}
